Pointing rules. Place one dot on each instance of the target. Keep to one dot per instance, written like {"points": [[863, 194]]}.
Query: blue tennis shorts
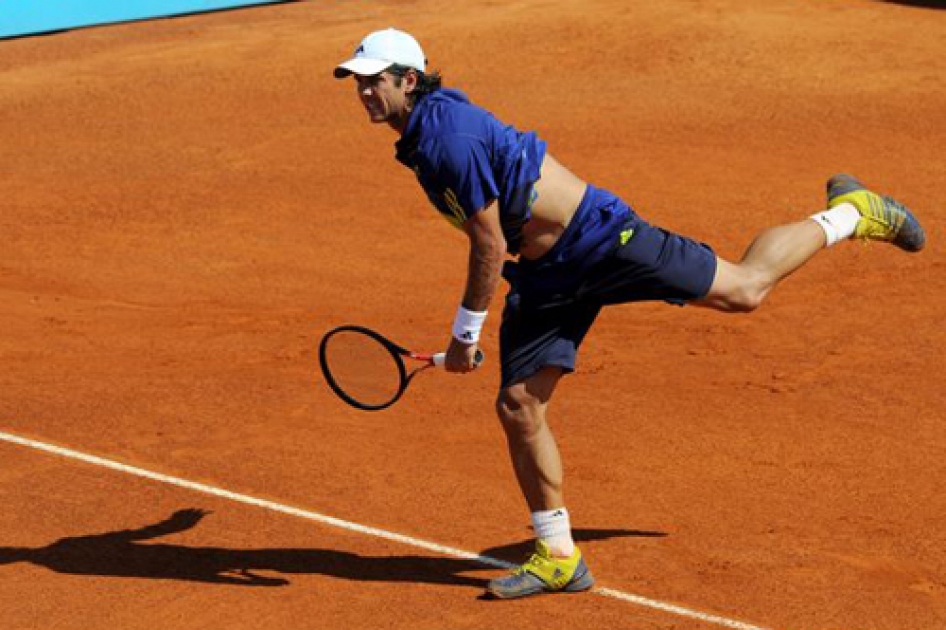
{"points": [[607, 255]]}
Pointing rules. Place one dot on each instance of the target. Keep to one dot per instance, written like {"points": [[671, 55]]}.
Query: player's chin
{"points": [[376, 115]]}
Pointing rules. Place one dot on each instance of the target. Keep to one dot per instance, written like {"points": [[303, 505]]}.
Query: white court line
{"points": [[355, 527]]}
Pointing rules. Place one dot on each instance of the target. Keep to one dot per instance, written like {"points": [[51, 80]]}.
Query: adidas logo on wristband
{"points": [[468, 324]]}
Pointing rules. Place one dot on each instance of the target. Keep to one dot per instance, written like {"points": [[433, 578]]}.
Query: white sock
{"points": [[838, 223], [554, 527]]}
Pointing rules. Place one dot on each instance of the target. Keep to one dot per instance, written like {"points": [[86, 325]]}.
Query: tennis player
{"points": [[579, 248]]}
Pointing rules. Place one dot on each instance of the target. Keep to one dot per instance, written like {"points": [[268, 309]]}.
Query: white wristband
{"points": [[467, 325]]}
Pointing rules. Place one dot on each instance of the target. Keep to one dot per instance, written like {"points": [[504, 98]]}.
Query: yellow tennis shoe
{"points": [[882, 218], [543, 573]]}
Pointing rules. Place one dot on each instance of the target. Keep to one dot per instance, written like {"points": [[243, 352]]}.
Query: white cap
{"points": [[380, 50]]}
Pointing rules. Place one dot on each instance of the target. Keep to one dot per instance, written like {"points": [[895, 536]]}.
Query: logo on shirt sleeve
{"points": [[454, 211]]}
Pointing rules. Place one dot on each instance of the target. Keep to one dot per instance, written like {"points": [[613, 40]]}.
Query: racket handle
{"points": [[441, 357]]}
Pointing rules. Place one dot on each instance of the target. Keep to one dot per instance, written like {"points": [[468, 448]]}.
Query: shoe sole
{"points": [[579, 585]]}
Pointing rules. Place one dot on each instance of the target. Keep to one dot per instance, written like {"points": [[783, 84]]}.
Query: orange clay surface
{"points": [[187, 205]]}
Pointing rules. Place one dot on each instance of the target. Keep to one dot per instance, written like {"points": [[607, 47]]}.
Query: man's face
{"points": [[383, 98]]}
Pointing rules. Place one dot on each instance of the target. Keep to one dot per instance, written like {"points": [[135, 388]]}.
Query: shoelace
{"points": [[890, 215]]}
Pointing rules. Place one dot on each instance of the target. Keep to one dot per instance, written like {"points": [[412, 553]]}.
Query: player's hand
{"points": [[187, 518], [461, 357]]}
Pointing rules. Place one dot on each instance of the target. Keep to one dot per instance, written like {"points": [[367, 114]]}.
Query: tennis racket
{"points": [[369, 371]]}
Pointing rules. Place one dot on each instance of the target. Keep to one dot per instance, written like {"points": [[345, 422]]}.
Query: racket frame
{"points": [[397, 352]]}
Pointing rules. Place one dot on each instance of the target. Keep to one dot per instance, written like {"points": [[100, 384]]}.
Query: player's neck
{"points": [[399, 121]]}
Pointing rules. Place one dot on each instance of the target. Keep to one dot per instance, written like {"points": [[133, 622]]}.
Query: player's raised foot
{"points": [[882, 218], [544, 574]]}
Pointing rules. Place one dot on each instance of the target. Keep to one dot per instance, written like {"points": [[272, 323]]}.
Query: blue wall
{"points": [[24, 17]]}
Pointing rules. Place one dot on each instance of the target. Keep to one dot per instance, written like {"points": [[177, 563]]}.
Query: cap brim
{"points": [[361, 66]]}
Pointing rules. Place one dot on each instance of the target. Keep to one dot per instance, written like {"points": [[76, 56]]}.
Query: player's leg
{"points": [[532, 448], [772, 256], [557, 564], [538, 344], [853, 211]]}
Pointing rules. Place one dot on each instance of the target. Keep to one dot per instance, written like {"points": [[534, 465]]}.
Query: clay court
{"points": [[189, 204]]}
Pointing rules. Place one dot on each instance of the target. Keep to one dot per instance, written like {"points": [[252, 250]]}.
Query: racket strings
{"points": [[363, 368]]}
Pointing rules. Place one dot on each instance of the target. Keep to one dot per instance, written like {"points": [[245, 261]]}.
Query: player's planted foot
{"points": [[882, 218], [544, 574]]}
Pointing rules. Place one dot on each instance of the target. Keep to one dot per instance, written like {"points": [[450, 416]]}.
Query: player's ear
{"points": [[411, 79]]}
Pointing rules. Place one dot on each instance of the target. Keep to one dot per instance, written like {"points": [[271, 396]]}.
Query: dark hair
{"points": [[426, 83]]}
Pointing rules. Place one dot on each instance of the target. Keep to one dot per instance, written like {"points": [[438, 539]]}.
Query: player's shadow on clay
{"points": [[126, 554]]}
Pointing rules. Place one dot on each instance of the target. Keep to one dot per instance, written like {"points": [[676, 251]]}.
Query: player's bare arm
{"points": [[487, 252]]}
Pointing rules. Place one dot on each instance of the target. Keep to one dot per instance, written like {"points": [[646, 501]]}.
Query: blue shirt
{"points": [[464, 159]]}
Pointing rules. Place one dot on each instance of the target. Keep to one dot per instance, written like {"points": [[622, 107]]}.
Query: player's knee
{"points": [[520, 412], [734, 302], [740, 290], [747, 301]]}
